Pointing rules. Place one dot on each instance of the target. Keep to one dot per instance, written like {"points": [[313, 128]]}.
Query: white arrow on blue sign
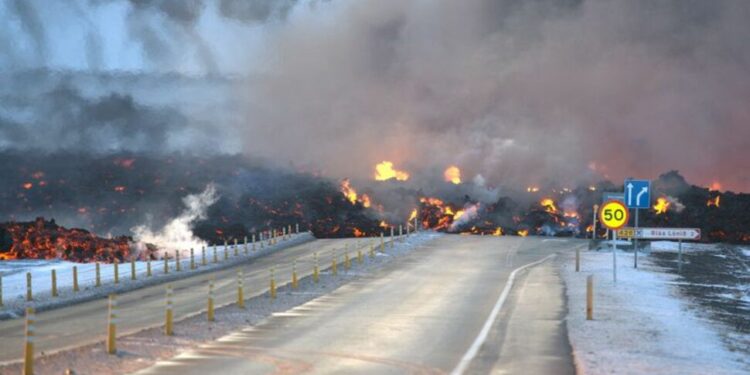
{"points": [[638, 193]]}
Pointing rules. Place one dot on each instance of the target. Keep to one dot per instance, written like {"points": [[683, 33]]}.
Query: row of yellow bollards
{"points": [[133, 270]]}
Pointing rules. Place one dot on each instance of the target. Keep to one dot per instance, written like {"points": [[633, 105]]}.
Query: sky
{"points": [[522, 91]]}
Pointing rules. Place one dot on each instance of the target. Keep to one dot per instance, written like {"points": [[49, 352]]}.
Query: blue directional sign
{"points": [[638, 193]]}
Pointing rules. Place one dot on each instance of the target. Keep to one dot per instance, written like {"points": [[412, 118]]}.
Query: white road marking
{"points": [[477, 344]]}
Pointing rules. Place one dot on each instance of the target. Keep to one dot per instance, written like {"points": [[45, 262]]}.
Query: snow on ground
{"points": [[641, 325], [14, 272], [686, 246], [141, 349]]}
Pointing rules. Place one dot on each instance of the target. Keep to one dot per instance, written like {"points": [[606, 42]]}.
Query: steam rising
{"points": [[177, 234]]}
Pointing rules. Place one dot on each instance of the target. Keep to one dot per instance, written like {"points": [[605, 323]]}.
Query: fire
{"points": [[453, 175], [358, 233], [28, 185], [458, 214], [348, 191], [549, 205], [383, 224], [413, 215], [661, 206], [714, 201], [385, 171], [498, 232], [532, 189], [523, 232], [366, 201], [715, 186]]}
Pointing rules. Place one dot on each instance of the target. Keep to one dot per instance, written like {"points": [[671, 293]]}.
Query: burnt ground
{"points": [[719, 282]]}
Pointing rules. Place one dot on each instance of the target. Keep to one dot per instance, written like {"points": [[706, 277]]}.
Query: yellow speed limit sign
{"points": [[613, 215]]}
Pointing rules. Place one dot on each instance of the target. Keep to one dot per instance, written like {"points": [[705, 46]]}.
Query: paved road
{"points": [[419, 315], [84, 323]]}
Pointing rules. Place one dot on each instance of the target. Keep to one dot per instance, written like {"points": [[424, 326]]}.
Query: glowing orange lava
{"points": [[453, 175], [385, 171]]}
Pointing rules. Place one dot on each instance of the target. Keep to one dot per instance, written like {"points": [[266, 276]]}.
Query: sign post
{"points": [[679, 234], [637, 196], [614, 215]]}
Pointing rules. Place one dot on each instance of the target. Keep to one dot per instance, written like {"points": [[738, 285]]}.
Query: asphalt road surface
{"points": [[83, 323], [430, 312]]}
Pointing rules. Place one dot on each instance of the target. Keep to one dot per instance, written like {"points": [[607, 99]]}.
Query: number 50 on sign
{"points": [[613, 215]]}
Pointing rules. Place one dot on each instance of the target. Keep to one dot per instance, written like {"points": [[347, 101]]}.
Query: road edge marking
{"points": [[463, 364]]}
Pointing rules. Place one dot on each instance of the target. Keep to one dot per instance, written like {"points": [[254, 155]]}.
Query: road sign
{"points": [[613, 215], [688, 234], [638, 193], [608, 196]]}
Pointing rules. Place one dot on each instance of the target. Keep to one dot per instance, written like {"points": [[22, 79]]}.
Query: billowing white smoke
{"points": [[470, 213], [177, 235], [675, 203]]}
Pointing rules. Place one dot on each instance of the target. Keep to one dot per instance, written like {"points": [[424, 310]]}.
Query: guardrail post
{"points": [[382, 242], [372, 250], [210, 312], [28, 286], [177, 265], [192, 259], [578, 259], [226, 250], [75, 279], [132, 268], [400, 230], [98, 282], [360, 258], [347, 262], [116, 271], [334, 265], [166, 263], [590, 297], [169, 315], [240, 292], [272, 286], [316, 270], [253, 242], [112, 325], [295, 282], [203, 255], [54, 283], [216, 257], [236, 250], [28, 347], [148, 266], [245, 245], [296, 228]]}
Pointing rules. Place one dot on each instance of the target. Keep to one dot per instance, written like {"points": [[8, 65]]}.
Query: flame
{"points": [[458, 214], [532, 189], [28, 185], [714, 201], [661, 206], [523, 233], [413, 215], [384, 224], [366, 201], [385, 171], [348, 191], [589, 228], [358, 233], [453, 175], [549, 205], [715, 186], [498, 232]]}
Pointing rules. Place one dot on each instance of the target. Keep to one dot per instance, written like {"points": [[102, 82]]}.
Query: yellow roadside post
{"points": [[382, 242], [177, 265], [112, 325], [392, 236], [203, 255], [334, 270], [578, 259], [192, 259], [372, 250], [148, 266], [169, 315], [116, 271], [132, 268], [240, 294], [28, 286], [210, 312], [226, 250], [54, 283], [75, 281], [166, 263], [216, 257], [347, 262], [236, 250], [400, 232], [316, 270], [253, 242], [295, 282], [590, 297], [28, 347], [360, 258], [245, 245], [261, 241], [98, 276], [272, 286]]}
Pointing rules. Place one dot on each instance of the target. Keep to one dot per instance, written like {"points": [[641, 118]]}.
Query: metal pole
{"points": [[679, 256], [635, 240], [614, 256], [596, 211]]}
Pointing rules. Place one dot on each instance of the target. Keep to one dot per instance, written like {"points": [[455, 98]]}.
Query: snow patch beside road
{"points": [[640, 326]]}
